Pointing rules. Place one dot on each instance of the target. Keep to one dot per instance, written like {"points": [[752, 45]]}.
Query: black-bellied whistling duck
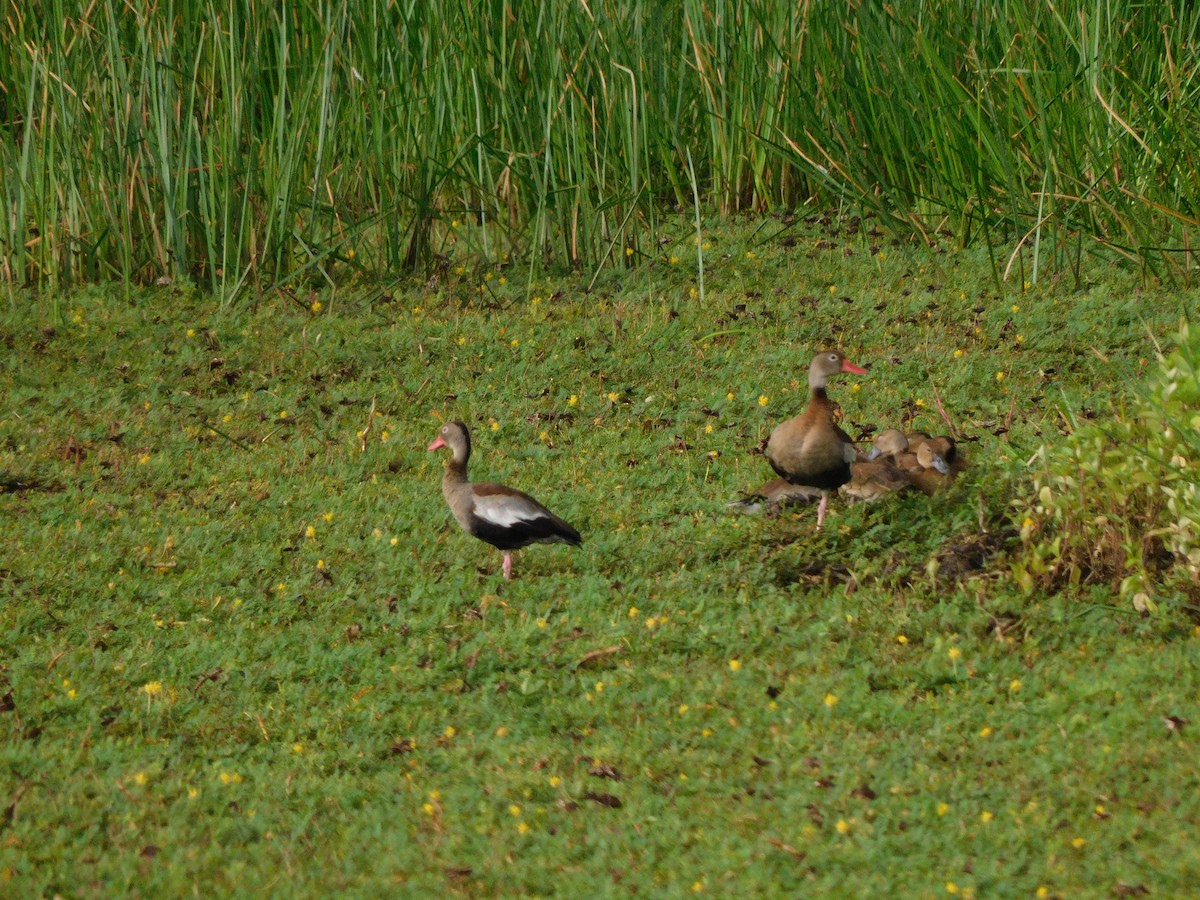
{"points": [[878, 476], [498, 515], [773, 495], [942, 445], [810, 449], [873, 479], [889, 442], [926, 469]]}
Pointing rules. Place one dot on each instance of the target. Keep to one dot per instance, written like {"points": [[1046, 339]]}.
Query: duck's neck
{"points": [[456, 471], [817, 395]]}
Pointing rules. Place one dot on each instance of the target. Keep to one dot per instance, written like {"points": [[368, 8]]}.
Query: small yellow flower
{"points": [[833, 289], [488, 276], [503, 280], [514, 810], [328, 517], [316, 306], [515, 343], [958, 354], [985, 731], [501, 731], [633, 612], [394, 541], [735, 665], [951, 887], [143, 459], [71, 693], [901, 639], [750, 254], [708, 429], [152, 688], [1014, 685], [673, 260], [1015, 307], [855, 388], [683, 708], [919, 402], [297, 748], [729, 396], [943, 808], [572, 400], [350, 254], [651, 622], [831, 700], [495, 426], [320, 565], [763, 400], [140, 778], [842, 826], [693, 293], [522, 828], [542, 623], [999, 376], [1020, 338], [1078, 842], [986, 816], [629, 251], [310, 532], [450, 731], [1042, 892], [544, 437], [613, 396], [283, 414], [697, 887], [191, 332], [428, 808], [954, 653], [193, 793], [555, 781]]}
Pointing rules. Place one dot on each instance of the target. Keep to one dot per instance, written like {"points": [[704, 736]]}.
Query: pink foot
{"points": [[508, 566], [821, 509]]}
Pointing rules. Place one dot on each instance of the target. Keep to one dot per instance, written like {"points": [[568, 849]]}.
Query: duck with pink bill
{"points": [[811, 450], [504, 517]]}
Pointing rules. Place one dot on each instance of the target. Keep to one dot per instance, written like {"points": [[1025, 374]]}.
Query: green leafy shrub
{"points": [[1119, 501]]}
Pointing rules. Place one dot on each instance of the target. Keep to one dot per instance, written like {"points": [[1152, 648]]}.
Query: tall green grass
{"points": [[241, 143]]}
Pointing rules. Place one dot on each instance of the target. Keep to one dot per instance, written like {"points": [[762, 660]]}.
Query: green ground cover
{"points": [[246, 648]]}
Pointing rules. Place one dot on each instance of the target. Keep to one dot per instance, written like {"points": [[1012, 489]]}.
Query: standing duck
{"points": [[810, 449], [507, 519]]}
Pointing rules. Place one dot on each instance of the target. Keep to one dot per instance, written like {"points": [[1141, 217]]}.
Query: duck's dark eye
{"points": [[833, 357]]}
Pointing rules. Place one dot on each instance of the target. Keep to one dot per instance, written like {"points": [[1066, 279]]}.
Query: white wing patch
{"points": [[507, 510]]}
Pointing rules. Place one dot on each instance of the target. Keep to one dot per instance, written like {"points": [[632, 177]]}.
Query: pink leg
{"points": [[821, 509], [508, 565]]}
